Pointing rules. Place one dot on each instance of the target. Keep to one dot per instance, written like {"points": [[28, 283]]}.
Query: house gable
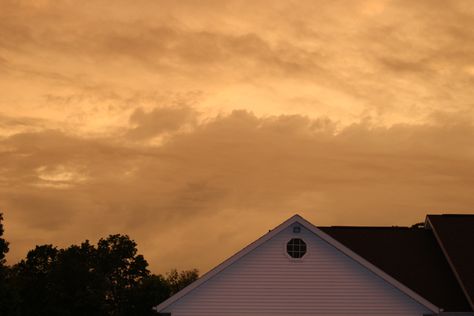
{"points": [[263, 280]]}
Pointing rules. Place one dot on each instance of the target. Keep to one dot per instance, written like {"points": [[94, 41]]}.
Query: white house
{"points": [[300, 269]]}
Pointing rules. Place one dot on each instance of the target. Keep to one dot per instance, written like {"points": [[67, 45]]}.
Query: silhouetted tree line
{"points": [[109, 278]]}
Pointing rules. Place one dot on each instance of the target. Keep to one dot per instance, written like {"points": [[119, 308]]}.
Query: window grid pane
{"points": [[296, 248]]}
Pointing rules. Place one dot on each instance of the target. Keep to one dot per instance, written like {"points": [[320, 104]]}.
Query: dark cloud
{"points": [[404, 66], [19, 122], [159, 121], [156, 45]]}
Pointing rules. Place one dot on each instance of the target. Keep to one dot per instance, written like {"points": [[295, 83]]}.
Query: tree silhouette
{"points": [[179, 280], [3, 244], [5, 293], [77, 285], [108, 279], [32, 280], [149, 293], [121, 268]]}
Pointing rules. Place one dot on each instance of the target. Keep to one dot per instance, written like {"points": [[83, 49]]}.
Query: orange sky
{"points": [[196, 126]]}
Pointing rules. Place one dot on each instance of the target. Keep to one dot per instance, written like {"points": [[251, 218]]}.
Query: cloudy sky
{"points": [[196, 126]]}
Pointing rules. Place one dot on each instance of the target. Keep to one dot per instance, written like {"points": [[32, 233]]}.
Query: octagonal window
{"points": [[296, 248]]}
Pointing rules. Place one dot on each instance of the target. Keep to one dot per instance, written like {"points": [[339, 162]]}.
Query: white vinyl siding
{"points": [[267, 282]]}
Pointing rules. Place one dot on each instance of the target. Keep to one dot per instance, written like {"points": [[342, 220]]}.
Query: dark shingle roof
{"points": [[410, 255], [455, 235]]}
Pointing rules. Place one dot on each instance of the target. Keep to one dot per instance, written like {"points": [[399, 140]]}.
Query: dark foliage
{"points": [[179, 280], [4, 288], [3, 243], [107, 279]]}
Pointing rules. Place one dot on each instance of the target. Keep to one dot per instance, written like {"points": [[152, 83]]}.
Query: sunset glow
{"points": [[191, 124]]}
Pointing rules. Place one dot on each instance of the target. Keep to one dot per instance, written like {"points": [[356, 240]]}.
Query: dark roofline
{"points": [[440, 243], [451, 215], [427, 225], [370, 227]]}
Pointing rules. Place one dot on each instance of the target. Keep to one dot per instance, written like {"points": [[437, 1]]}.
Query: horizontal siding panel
{"points": [[267, 282]]}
